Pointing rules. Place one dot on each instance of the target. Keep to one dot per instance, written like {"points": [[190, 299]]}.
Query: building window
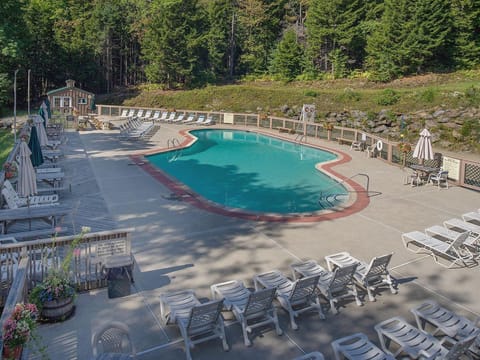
{"points": [[82, 101], [56, 101], [66, 102]]}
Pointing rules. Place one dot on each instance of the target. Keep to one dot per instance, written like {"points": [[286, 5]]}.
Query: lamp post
{"points": [[28, 92], [15, 105]]}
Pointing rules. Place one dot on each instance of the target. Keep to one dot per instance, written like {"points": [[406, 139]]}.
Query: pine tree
{"points": [[288, 57], [174, 44], [466, 23]]}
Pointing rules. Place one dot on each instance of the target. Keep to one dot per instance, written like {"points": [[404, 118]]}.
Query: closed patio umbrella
{"points": [[27, 180], [423, 149], [41, 133], [34, 145]]}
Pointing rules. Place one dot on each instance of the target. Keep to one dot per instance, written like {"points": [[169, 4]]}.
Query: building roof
{"points": [[52, 92]]}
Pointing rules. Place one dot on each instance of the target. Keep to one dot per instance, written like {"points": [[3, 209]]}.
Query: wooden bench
{"points": [[342, 141], [285, 130], [34, 234]]}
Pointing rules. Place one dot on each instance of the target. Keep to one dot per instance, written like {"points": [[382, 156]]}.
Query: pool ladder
{"points": [[174, 143], [300, 138], [330, 200]]}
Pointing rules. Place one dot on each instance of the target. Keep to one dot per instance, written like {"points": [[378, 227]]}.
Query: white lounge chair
{"points": [[295, 297], [208, 121], [171, 117], [131, 113], [146, 115], [140, 113], [156, 115], [251, 309], [455, 223], [179, 118], [189, 119], [334, 285], [417, 343], [445, 322], [164, 116], [358, 347], [472, 243], [200, 120], [453, 251], [197, 322], [369, 276], [124, 114], [471, 216], [14, 201]]}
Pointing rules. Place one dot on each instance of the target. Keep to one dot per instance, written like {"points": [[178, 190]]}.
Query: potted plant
{"points": [[55, 295], [18, 329], [10, 170]]}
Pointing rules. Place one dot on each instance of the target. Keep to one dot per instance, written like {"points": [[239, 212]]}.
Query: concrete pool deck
{"points": [[179, 246]]}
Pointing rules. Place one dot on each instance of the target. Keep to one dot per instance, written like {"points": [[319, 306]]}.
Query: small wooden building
{"points": [[71, 100]]}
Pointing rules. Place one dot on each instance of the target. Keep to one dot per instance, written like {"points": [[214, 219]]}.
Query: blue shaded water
{"points": [[249, 171]]}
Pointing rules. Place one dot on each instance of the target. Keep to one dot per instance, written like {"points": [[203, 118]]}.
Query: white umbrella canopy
{"points": [[27, 179], [41, 133], [423, 149]]}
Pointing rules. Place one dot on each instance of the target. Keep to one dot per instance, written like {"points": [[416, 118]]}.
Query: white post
{"points": [[28, 92], [15, 105]]}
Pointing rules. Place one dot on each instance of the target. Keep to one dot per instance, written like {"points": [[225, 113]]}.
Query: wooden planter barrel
{"points": [[12, 353], [58, 310]]}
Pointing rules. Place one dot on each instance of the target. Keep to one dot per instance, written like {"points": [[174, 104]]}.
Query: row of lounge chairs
{"points": [[440, 334], [169, 117], [200, 322], [14, 201], [457, 241]]}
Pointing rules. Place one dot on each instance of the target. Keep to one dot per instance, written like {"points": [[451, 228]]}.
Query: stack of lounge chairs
{"points": [[136, 129], [456, 243]]}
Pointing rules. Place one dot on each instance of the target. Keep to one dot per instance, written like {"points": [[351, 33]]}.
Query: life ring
{"points": [[379, 145]]}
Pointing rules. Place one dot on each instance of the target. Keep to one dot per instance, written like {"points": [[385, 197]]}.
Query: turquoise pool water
{"points": [[250, 171]]}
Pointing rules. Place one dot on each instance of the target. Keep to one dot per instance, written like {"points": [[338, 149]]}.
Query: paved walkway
{"points": [[178, 246]]}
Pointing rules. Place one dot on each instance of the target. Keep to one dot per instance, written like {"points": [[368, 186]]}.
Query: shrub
{"points": [[388, 97], [428, 95], [349, 95], [311, 93]]}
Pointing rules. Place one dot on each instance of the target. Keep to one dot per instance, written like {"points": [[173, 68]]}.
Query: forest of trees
{"points": [[106, 44]]}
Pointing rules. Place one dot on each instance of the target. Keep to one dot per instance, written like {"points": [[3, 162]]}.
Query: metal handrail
{"points": [[173, 142], [321, 197]]}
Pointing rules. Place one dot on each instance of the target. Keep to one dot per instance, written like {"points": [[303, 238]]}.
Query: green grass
{"points": [[424, 92], [6, 144]]}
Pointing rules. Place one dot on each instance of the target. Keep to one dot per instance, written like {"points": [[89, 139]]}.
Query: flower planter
{"points": [[12, 353], [57, 310]]}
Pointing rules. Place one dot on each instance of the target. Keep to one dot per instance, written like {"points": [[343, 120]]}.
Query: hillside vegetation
{"points": [[427, 92]]}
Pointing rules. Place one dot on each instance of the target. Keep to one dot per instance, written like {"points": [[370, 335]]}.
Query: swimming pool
{"points": [[252, 172]]}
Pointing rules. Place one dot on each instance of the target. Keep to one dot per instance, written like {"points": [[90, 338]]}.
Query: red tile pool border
{"points": [[187, 195]]}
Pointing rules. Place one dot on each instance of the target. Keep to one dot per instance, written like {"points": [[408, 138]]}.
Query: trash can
{"points": [[118, 282]]}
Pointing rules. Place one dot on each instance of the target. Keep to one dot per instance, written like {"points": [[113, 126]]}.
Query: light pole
{"points": [[15, 105], [28, 92]]}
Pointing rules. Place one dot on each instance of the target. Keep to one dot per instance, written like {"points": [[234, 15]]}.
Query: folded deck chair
{"points": [[146, 115], [171, 117], [197, 322], [140, 114], [417, 343], [311, 356], [295, 297], [251, 309], [445, 322], [131, 113], [369, 276], [358, 346], [14, 201], [208, 120], [453, 251], [333, 285]]}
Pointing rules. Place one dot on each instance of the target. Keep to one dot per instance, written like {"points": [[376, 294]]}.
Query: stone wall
{"points": [[455, 129]]}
